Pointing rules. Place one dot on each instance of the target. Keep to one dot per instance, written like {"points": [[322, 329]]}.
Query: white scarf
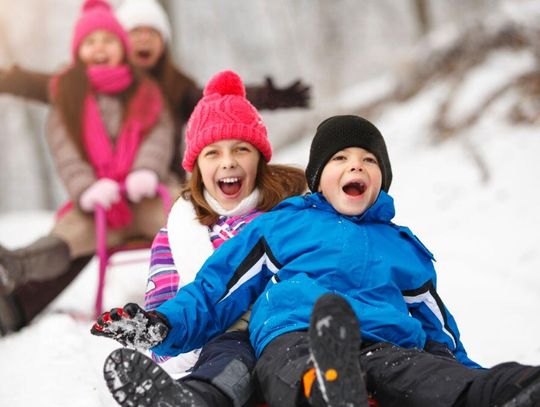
{"points": [[190, 247], [189, 240], [248, 203]]}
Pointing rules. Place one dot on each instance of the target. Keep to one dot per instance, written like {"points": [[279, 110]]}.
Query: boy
{"points": [[337, 240]]}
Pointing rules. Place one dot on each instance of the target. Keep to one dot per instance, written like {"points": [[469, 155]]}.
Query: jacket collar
{"points": [[382, 209]]}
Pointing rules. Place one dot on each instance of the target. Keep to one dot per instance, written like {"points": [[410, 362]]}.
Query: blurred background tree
{"points": [[332, 45]]}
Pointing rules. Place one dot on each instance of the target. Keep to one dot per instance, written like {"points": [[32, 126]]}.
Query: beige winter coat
{"points": [[155, 151]]}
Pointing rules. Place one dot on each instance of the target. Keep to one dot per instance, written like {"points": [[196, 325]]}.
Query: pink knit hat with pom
{"points": [[224, 113], [96, 15]]}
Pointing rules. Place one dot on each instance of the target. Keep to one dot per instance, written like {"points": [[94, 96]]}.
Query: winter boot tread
{"points": [[334, 336], [135, 380]]}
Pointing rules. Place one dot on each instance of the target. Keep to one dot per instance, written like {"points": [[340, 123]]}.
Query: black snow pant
{"points": [[226, 362], [397, 377]]}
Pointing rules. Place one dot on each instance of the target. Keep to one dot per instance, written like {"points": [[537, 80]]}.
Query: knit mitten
{"points": [[104, 192], [141, 184]]}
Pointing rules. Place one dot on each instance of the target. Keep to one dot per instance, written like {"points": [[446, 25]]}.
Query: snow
{"points": [[484, 236], [499, 69], [56, 361], [472, 200]]}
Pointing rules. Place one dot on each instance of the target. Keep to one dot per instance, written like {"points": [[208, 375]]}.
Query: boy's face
{"points": [[229, 170], [351, 181]]}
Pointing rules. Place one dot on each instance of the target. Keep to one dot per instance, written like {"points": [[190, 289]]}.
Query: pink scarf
{"points": [[110, 161]]}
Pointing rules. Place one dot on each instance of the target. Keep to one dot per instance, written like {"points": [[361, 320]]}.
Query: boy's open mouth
{"points": [[356, 188], [230, 186]]}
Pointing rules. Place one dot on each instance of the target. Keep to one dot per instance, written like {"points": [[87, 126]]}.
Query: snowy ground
{"points": [[484, 235]]}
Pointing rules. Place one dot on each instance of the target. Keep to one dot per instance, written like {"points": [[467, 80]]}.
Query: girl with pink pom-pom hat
{"points": [[231, 183]]}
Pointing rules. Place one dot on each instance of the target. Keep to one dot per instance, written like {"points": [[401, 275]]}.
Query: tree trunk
{"points": [[421, 10]]}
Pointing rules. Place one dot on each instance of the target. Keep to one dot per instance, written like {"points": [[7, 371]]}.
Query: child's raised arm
{"points": [[225, 287]]}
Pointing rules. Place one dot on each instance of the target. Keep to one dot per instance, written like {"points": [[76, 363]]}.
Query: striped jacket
{"points": [[164, 274], [287, 258], [176, 266]]}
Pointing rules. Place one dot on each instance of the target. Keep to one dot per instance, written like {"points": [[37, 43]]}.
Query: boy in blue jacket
{"points": [[344, 299]]}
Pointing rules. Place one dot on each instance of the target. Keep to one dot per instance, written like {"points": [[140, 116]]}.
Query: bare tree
{"points": [[421, 10]]}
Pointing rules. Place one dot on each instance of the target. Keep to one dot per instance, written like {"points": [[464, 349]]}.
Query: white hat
{"points": [[137, 13]]}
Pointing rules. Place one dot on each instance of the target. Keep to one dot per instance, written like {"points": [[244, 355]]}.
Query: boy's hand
{"points": [[132, 326]]}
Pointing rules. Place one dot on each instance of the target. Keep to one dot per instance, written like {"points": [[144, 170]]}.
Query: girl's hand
{"points": [[132, 326], [104, 192], [141, 184]]}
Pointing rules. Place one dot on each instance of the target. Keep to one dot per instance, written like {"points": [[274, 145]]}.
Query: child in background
{"points": [[108, 127], [231, 184], [149, 35], [316, 265]]}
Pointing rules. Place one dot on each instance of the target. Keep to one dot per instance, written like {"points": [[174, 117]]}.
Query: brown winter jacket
{"points": [[155, 151], [25, 83]]}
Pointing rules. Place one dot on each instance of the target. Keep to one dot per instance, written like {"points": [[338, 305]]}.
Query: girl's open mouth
{"points": [[355, 188], [100, 60], [144, 54], [230, 186]]}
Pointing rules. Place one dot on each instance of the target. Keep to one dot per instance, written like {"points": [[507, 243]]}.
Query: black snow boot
{"points": [[11, 315], [525, 390], [508, 384], [135, 380], [334, 339]]}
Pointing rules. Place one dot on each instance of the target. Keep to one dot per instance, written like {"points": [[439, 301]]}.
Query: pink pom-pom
{"points": [[93, 4], [225, 83]]}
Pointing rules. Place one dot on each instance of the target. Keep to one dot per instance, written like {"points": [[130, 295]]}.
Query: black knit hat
{"points": [[338, 133]]}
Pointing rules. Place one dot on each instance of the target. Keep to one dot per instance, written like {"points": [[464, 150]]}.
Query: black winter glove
{"points": [[295, 95], [132, 326]]}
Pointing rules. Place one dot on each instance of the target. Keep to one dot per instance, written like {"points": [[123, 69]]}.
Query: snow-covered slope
{"points": [[473, 200], [484, 236]]}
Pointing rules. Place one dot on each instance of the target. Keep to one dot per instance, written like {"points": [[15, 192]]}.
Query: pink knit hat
{"points": [[224, 113], [96, 15]]}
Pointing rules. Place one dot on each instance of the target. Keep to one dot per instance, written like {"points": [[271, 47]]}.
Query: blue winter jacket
{"points": [[284, 260]]}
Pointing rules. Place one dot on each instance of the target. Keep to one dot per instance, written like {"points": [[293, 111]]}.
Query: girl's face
{"points": [[351, 181], [229, 171], [147, 46], [101, 48]]}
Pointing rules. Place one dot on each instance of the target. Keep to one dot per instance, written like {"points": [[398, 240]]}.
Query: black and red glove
{"points": [[132, 326]]}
